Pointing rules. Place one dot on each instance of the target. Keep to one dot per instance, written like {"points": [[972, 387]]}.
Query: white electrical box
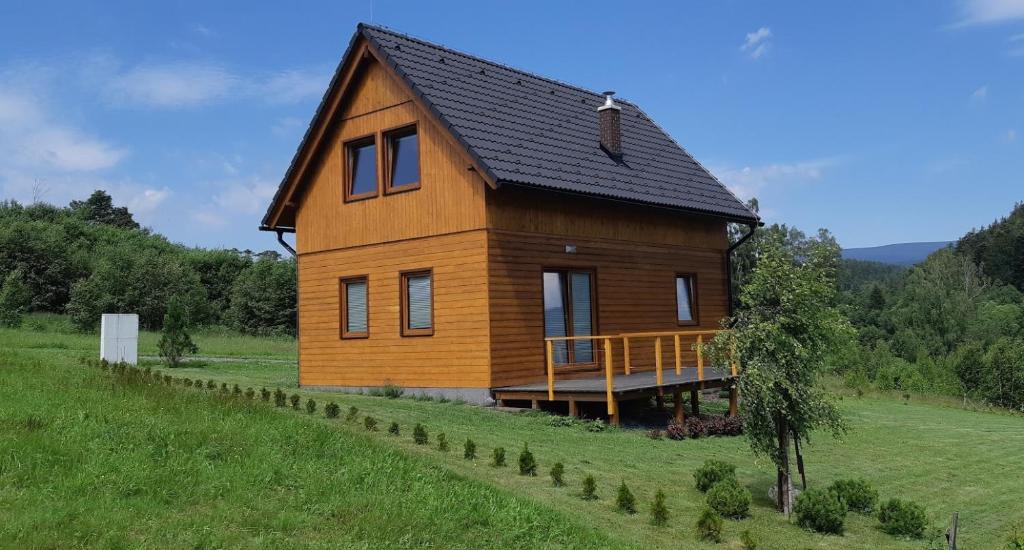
{"points": [[119, 338]]}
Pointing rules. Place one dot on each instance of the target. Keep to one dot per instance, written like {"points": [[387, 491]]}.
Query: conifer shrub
{"points": [[393, 429], [624, 499], [469, 449], [167, 380], [902, 518], [527, 464], [589, 488], [659, 512], [211, 385], [442, 442], [250, 394], [856, 494], [419, 435], [279, 397], [175, 342], [820, 510], [264, 394], [331, 410], [711, 472], [187, 382], [498, 457], [352, 414], [370, 423], [557, 474], [392, 391], [295, 400], [310, 406], [236, 391], [199, 384], [729, 499], [224, 388], [710, 525]]}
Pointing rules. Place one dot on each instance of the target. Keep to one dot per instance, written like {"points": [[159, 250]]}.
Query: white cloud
{"points": [[170, 85], [982, 12], [757, 43], [146, 201], [245, 197], [979, 95], [749, 181], [293, 86], [209, 218]]}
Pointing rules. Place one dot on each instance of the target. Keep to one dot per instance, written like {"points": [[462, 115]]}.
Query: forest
{"points": [[952, 325]]}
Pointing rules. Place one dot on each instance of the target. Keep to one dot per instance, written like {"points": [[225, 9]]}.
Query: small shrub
{"points": [[419, 435], [498, 457], [856, 494], [370, 423], [295, 400], [659, 512], [310, 406], [1014, 542], [748, 541], [589, 488], [279, 397], [211, 385], [710, 525], [236, 391], [624, 500], [820, 510], [250, 394], [393, 429], [527, 464], [331, 410], [557, 471], [902, 518], [729, 499], [175, 342], [696, 427], [167, 379], [392, 391], [352, 414], [187, 382], [469, 449], [654, 433], [442, 442], [711, 472], [224, 388], [264, 394], [197, 383]]}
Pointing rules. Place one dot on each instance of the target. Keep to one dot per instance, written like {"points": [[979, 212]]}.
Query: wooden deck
{"points": [[621, 383]]}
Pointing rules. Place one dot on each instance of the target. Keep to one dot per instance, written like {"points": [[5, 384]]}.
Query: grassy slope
{"points": [[947, 459]]}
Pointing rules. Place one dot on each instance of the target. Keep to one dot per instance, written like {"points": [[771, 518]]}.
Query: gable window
{"points": [[402, 161], [417, 303], [361, 168], [354, 311], [686, 299]]}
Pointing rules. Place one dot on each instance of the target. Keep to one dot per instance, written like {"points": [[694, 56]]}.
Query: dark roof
{"points": [[529, 130]]}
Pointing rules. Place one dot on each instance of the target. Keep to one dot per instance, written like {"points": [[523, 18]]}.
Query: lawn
{"points": [[946, 458]]}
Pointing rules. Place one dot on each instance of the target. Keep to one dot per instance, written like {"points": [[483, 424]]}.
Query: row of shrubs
{"points": [[695, 427], [824, 510]]}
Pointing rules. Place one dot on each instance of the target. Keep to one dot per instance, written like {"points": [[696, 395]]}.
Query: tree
{"points": [[175, 341], [785, 327], [263, 298], [99, 208], [14, 299]]}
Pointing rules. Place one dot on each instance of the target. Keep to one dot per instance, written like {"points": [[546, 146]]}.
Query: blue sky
{"points": [[882, 121]]}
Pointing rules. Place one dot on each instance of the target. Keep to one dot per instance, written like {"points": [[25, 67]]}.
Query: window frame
{"points": [[343, 283], [403, 295], [387, 157], [568, 312], [347, 182], [694, 301]]}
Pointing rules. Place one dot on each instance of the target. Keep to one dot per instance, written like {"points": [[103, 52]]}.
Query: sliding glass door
{"points": [[569, 311]]}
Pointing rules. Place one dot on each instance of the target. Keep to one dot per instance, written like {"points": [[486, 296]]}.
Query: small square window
{"points": [[354, 310], [361, 168], [686, 299], [417, 303], [403, 159]]}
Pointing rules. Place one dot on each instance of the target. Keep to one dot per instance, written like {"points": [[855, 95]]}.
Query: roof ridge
{"points": [[505, 66]]}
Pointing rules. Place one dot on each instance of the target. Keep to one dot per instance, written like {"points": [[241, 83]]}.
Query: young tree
{"points": [[14, 299], [782, 332], [175, 342]]}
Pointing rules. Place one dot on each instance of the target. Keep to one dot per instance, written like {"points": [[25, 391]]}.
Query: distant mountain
{"points": [[898, 254]]}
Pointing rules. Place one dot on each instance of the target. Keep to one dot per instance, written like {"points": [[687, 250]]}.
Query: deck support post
{"points": [[677, 396], [573, 409], [534, 404], [695, 402], [613, 418], [733, 395], [659, 400]]}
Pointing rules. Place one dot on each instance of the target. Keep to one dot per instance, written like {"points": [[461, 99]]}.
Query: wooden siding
{"points": [[456, 355], [635, 293], [451, 197]]}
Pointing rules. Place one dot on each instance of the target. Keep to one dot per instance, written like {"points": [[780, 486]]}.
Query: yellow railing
{"points": [[605, 342]]}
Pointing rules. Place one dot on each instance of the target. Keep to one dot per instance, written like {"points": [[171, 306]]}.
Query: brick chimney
{"points": [[608, 119]]}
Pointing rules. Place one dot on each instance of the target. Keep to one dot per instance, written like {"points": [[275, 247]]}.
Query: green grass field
{"points": [[109, 465]]}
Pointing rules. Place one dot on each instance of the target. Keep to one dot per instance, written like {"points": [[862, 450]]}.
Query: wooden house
{"points": [[469, 229]]}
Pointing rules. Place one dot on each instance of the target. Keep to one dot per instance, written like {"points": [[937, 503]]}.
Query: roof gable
{"points": [[524, 129]]}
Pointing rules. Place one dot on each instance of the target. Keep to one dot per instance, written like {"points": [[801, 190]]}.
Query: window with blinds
{"points": [[354, 308], [686, 299], [569, 311], [417, 303]]}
